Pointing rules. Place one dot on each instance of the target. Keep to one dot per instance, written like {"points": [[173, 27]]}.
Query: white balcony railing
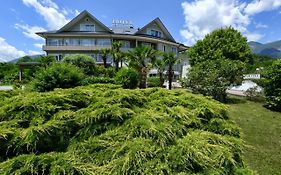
{"points": [[74, 48]]}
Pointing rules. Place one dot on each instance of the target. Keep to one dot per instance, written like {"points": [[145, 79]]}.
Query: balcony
{"points": [[75, 48]]}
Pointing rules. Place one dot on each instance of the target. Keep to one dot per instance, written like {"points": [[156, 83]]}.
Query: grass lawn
{"points": [[262, 132]]}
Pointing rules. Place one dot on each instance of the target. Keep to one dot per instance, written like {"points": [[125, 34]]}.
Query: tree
{"points": [[170, 59], [8, 73], [224, 43], [47, 60], [104, 54], [212, 77], [217, 62], [258, 63], [84, 62], [273, 86], [139, 60], [116, 54], [25, 59], [160, 65]]}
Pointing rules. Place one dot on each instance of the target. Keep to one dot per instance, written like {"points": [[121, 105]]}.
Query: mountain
{"points": [[31, 56], [272, 49]]}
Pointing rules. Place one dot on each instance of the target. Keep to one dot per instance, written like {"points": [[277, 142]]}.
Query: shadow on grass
{"points": [[236, 100]]}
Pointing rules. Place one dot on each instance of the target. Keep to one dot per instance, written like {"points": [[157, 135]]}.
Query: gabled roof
{"points": [[81, 16], [162, 27]]}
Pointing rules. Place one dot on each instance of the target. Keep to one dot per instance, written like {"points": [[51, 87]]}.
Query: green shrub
{"points": [[84, 62], [273, 86], [94, 80], [57, 76], [105, 72], [128, 78], [104, 129], [153, 82]]}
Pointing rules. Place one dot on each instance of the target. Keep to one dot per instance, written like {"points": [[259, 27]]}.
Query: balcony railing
{"points": [[75, 48]]}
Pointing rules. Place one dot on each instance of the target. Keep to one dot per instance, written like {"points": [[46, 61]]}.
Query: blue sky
{"points": [[187, 20]]}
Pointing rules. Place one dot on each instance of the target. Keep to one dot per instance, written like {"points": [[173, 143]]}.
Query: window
{"points": [[99, 58], [58, 57], [54, 42], [87, 27], [174, 50], [87, 42], [156, 33], [72, 42], [103, 42]]}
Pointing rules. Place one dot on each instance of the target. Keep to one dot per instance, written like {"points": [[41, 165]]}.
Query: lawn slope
{"points": [[262, 132], [103, 129]]}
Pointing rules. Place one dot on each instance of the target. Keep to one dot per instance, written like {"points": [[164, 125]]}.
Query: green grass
{"points": [[262, 132]]}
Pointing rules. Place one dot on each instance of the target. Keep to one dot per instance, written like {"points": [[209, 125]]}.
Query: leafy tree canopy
{"points": [[47, 60], [217, 62], [84, 62], [224, 43], [141, 59], [258, 63], [212, 78], [273, 85], [170, 59], [8, 72]]}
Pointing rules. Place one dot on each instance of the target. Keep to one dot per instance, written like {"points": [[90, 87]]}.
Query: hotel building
{"points": [[87, 35]]}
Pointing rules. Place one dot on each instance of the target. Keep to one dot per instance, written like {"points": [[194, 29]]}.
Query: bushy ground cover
{"points": [[104, 129]]}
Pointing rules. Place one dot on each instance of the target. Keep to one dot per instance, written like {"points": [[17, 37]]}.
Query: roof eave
{"points": [[80, 16]]}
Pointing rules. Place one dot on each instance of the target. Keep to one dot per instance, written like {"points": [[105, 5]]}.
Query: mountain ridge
{"points": [[272, 49]]}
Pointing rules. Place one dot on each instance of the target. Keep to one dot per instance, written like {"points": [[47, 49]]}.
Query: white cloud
{"points": [[30, 31], [50, 11], [258, 6], [38, 45], [8, 52], [33, 52], [50, 3], [260, 25], [203, 16], [76, 13], [2, 60], [67, 11], [253, 36]]}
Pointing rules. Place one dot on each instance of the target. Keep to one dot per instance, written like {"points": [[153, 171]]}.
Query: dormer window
{"points": [[156, 33], [87, 27]]}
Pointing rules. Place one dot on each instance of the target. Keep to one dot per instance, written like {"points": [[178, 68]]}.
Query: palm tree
{"points": [[160, 65], [139, 59], [104, 53], [170, 60], [116, 54]]}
